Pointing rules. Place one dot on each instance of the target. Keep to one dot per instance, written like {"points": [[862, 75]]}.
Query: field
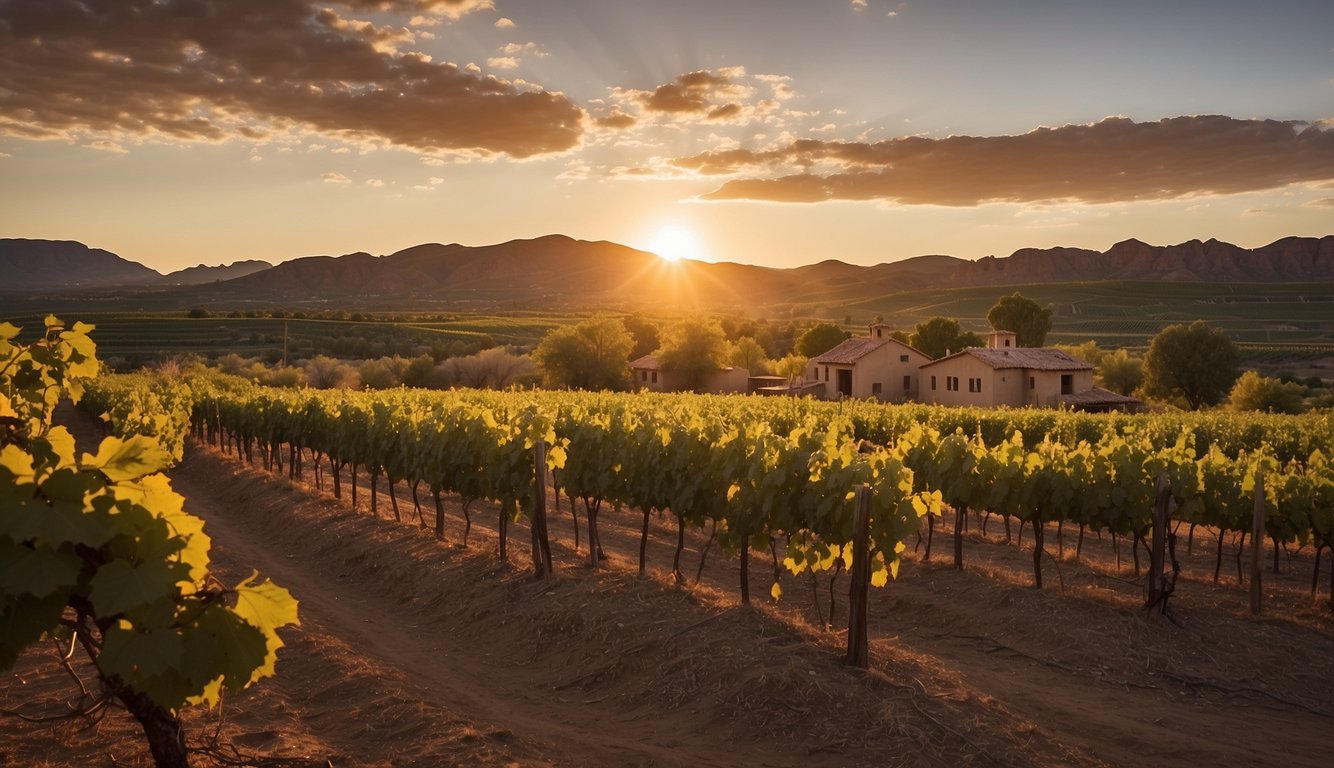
{"points": [[1281, 328], [419, 652]]}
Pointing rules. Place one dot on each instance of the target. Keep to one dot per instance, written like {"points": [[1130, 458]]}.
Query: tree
{"points": [[592, 354], [99, 553], [821, 338], [938, 336], [1254, 392], [791, 366], [324, 372], [1196, 362], [693, 348], [1120, 371], [645, 333], [1029, 321], [747, 353]]}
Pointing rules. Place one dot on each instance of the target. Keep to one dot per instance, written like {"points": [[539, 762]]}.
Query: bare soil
{"points": [[414, 651]]}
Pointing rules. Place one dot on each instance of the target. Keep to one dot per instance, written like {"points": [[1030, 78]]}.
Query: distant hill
{"points": [[46, 265], [34, 265], [1292, 259], [555, 271], [206, 274]]}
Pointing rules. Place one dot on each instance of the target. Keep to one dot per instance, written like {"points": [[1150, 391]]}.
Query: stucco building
{"points": [[647, 373], [872, 366]]}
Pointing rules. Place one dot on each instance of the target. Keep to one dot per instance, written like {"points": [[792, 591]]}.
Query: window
{"points": [[1067, 383], [907, 383], [974, 385], [903, 358], [643, 375], [952, 383], [933, 383], [875, 388], [1032, 383], [655, 377], [826, 373]]}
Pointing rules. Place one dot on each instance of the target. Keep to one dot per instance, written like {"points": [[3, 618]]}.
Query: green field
{"points": [[1276, 324], [1129, 313]]}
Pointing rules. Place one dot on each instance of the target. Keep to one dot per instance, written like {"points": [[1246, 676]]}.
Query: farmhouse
{"points": [[647, 373], [876, 365], [1002, 373]]}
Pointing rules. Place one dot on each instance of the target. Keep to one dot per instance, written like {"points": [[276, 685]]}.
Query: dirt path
{"points": [[418, 652]]}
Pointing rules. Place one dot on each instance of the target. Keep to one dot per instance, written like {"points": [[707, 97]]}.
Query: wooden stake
{"points": [[542, 565], [858, 651], [1257, 542], [1155, 586]]}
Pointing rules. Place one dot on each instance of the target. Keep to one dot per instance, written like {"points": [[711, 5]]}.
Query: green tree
{"points": [[592, 354], [820, 338], [747, 353], [936, 336], [99, 553], [1120, 372], [1030, 321], [1254, 392], [1196, 363], [693, 348], [645, 333], [791, 366]]}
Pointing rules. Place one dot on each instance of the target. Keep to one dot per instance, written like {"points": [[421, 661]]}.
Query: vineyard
{"points": [[414, 650], [774, 476]]}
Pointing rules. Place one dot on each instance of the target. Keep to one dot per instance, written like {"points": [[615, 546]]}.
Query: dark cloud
{"points": [[1115, 160], [201, 69]]}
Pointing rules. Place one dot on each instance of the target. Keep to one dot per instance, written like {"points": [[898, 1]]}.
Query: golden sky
{"points": [[175, 132]]}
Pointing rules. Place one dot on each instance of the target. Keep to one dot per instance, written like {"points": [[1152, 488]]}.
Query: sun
{"points": [[674, 242]]}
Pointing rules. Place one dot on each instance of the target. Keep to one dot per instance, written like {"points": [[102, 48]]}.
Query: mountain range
{"points": [[559, 271]]}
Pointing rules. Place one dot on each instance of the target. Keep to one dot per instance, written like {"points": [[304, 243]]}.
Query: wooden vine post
{"points": [[858, 652], [1156, 587], [542, 566], [1257, 542]]}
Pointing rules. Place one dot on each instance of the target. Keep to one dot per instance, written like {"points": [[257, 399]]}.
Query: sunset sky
{"points": [[175, 132]]}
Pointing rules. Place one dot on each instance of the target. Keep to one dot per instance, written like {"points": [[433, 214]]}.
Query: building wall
{"points": [[1048, 386], [883, 366], [731, 381], [650, 380], [997, 387], [1015, 387]]}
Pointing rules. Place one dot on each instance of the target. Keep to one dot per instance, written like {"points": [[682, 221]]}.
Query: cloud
{"points": [[107, 146], [504, 23], [1114, 160], [696, 92], [377, 183], [333, 177], [616, 119], [222, 69], [503, 62], [1324, 202], [858, 5]]}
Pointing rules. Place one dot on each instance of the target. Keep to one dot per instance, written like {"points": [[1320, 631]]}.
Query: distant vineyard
{"points": [[755, 471]]}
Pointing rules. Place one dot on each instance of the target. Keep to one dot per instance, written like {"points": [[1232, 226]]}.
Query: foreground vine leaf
{"points": [[102, 549]]}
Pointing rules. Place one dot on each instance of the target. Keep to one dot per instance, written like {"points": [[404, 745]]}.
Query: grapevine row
{"points": [[756, 470]]}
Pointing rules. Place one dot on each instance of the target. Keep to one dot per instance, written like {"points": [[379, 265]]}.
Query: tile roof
{"points": [[1096, 397], [1035, 359], [647, 362], [851, 350]]}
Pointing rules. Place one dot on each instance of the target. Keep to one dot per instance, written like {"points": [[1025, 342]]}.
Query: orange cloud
{"points": [[1114, 160], [225, 69]]}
